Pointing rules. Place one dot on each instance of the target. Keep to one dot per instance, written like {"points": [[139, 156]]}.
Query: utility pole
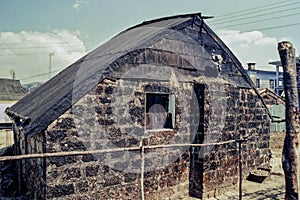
{"points": [[290, 157], [13, 74], [50, 55]]}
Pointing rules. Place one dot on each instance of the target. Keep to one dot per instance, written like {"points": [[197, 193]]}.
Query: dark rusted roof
{"points": [[11, 90], [270, 97], [48, 102]]}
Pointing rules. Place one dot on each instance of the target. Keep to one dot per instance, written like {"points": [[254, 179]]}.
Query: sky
{"points": [[35, 34]]}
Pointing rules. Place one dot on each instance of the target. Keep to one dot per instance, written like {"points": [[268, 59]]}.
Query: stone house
{"points": [[10, 92], [131, 110]]}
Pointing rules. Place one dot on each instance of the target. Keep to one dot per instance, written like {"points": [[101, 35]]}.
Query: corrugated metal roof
{"points": [[11, 90], [269, 95]]}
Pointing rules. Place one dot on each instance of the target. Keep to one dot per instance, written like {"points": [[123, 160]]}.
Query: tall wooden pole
{"points": [[240, 171], [290, 157]]}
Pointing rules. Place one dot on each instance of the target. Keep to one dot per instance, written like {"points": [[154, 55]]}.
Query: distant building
{"points": [[272, 80], [10, 92], [280, 78]]}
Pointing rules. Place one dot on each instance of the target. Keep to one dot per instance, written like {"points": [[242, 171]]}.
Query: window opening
{"points": [[160, 110], [271, 81], [257, 83]]}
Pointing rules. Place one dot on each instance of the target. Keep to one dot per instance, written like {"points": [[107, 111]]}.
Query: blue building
{"points": [[280, 77], [273, 80]]}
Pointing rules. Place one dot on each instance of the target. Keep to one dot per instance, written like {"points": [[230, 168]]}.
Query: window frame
{"points": [[170, 109]]}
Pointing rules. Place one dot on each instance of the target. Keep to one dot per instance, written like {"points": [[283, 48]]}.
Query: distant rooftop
{"points": [[11, 90], [278, 63]]}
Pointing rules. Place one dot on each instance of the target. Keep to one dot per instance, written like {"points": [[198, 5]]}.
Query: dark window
{"points": [[271, 81], [160, 109], [257, 83]]}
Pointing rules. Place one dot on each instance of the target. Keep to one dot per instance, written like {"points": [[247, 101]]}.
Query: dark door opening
{"points": [[196, 153]]}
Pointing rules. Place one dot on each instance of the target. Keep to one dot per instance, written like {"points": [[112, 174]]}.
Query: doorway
{"points": [[196, 153]]}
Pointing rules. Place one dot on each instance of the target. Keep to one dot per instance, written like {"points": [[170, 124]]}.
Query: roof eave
{"points": [[19, 120]]}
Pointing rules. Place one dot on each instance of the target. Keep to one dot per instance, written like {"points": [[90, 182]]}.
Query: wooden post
{"points": [[290, 157], [240, 170]]}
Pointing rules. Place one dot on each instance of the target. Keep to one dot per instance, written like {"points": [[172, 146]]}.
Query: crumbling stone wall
{"points": [[95, 122], [245, 117], [102, 120]]}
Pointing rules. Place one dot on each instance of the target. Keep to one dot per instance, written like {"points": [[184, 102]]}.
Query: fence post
{"points": [[142, 149], [240, 170], [290, 157]]}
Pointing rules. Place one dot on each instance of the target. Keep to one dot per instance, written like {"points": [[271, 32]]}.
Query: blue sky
{"points": [[30, 30]]}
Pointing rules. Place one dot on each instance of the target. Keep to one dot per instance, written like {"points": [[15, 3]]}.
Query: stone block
{"points": [[88, 158], [70, 173], [56, 135], [72, 145], [82, 187], [60, 161], [60, 190], [91, 171], [130, 177], [110, 181]]}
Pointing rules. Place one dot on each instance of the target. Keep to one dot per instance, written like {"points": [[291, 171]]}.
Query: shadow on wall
{"points": [[8, 174]]}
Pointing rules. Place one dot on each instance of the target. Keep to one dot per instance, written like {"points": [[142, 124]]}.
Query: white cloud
{"points": [[251, 46], [246, 38], [79, 3], [27, 52]]}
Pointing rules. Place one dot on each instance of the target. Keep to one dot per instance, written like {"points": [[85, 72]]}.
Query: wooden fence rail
{"points": [[77, 153]]}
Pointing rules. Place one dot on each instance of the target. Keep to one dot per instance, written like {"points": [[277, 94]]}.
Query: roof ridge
{"points": [[198, 14]]}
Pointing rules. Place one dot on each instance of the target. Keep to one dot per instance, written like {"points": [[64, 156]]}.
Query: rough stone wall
{"points": [[113, 116], [101, 120], [92, 124], [234, 113]]}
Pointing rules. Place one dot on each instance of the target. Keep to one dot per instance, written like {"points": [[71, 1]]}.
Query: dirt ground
{"points": [[273, 187]]}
